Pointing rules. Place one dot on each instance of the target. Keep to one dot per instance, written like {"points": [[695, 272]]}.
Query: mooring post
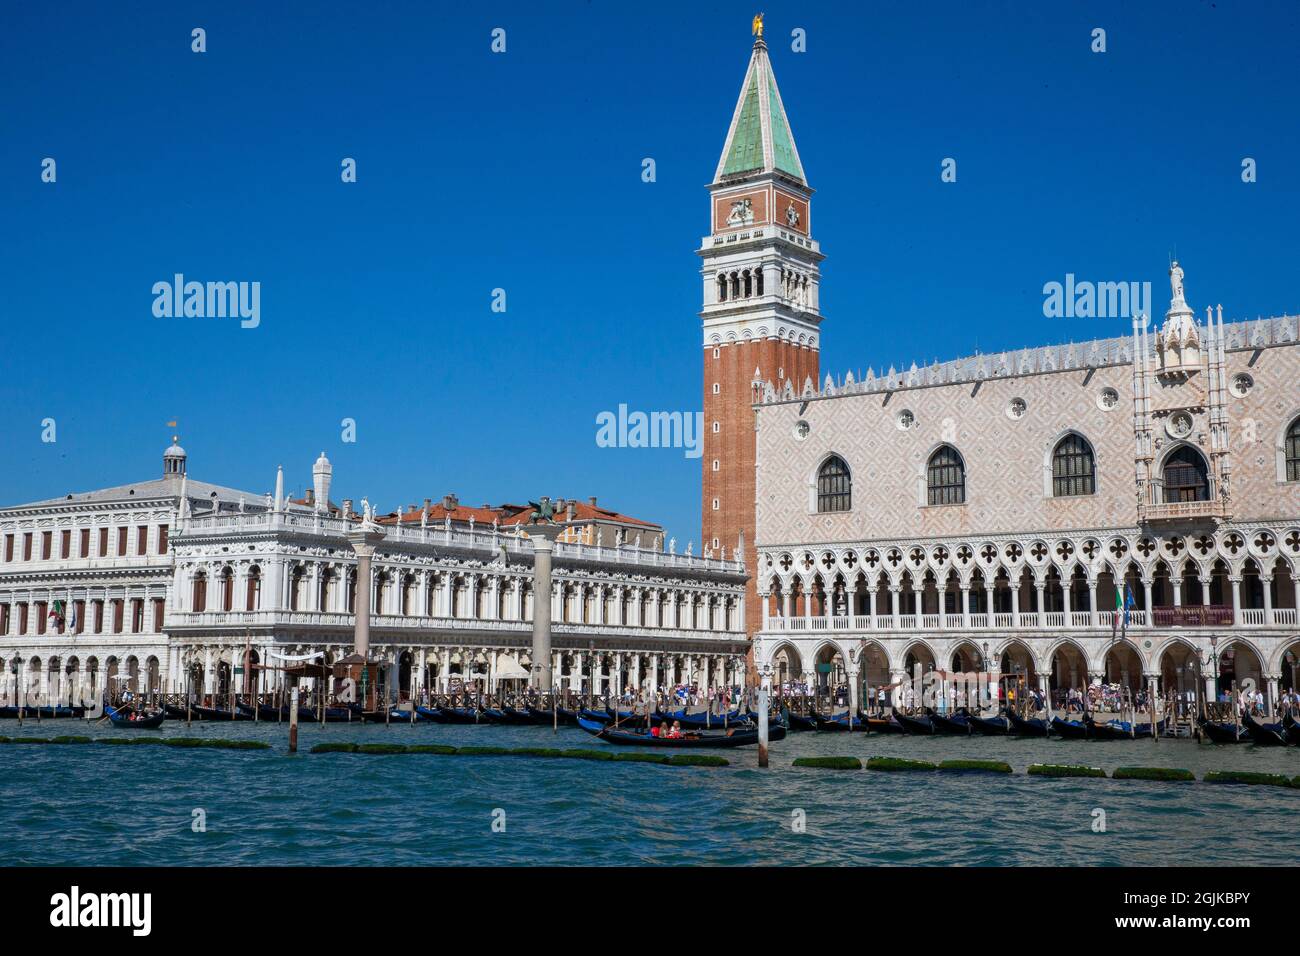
{"points": [[293, 721], [762, 726]]}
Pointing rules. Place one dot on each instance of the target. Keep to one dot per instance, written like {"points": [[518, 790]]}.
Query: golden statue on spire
{"points": [[757, 26]]}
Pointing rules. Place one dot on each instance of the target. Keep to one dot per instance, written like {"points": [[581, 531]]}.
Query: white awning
{"points": [[508, 668]]}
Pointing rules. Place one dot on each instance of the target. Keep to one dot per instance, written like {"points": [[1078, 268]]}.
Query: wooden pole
{"points": [[762, 726], [293, 721]]}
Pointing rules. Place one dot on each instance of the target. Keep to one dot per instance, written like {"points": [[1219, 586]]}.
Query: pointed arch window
{"points": [[1074, 468], [1293, 451], [945, 477], [1186, 476], [834, 486]]}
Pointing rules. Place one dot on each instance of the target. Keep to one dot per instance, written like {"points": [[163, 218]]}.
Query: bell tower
{"points": [[760, 317]]}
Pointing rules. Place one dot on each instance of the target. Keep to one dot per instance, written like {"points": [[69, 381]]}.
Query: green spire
{"points": [[760, 140]]}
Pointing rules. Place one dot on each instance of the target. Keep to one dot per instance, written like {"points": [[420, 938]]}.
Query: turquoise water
{"points": [[134, 805]]}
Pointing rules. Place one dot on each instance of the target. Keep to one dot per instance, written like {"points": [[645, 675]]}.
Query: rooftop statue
{"points": [[757, 26], [544, 513], [1176, 282]]}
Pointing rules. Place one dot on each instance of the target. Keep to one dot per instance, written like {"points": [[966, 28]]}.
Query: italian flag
{"points": [[1119, 611], [56, 612]]}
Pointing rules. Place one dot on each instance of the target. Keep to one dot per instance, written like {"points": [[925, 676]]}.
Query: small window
{"points": [[717, 427], [716, 464], [802, 430], [1074, 469], [1241, 384], [716, 388], [905, 419], [717, 352], [834, 486], [1016, 409], [1293, 451], [945, 478], [1107, 399], [717, 503]]}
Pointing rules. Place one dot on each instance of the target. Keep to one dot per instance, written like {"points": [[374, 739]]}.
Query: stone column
{"points": [[543, 538], [363, 541], [1266, 585], [1092, 604], [1236, 599]]}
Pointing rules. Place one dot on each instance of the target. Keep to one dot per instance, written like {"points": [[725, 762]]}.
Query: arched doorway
{"points": [[1178, 666], [1238, 663], [404, 669], [1069, 673], [831, 675], [1124, 667], [787, 668]]}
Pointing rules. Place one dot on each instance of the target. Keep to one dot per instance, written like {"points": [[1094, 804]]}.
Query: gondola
{"points": [[53, 713], [884, 725], [9, 713], [956, 724], [459, 715], [433, 714], [1264, 735], [122, 718], [1224, 732], [1027, 726], [1070, 729], [542, 717], [281, 713], [998, 726], [800, 722], [1292, 728], [738, 737], [833, 723], [216, 713], [1123, 730], [841, 722], [913, 724], [703, 720], [518, 715], [179, 713]]}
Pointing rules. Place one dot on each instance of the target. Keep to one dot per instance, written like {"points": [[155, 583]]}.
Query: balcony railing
{"points": [[241, 620], [1160, 504], [1161, 617], [484, 539]]}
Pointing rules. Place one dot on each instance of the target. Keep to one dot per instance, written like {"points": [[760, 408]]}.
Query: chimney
{"points": [[411, 509], [568, 511], [449, 502], [428, 502], [592, 501]]}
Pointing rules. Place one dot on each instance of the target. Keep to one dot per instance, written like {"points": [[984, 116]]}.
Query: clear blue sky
{"points": [[522, 171]]}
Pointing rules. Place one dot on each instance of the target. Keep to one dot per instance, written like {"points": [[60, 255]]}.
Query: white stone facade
{"points": [[979, 513], [127, 563]]}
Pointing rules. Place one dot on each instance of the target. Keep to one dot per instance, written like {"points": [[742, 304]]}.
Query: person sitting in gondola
{"points": [[675, 731]]}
